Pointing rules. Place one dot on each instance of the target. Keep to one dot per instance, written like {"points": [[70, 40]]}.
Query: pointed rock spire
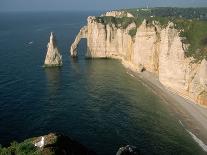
{"points": [[53, 57]]}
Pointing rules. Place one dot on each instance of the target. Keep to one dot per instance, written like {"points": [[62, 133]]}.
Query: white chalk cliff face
{"points": [[118, 14], [53, 57], [155, 49]]}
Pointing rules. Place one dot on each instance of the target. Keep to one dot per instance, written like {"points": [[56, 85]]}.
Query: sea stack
{"points": [[53, 57]]}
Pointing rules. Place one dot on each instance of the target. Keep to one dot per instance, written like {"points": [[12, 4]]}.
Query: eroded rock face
{"points": [[118, 14], [146, 47], [203, 74], [108, 40], [153, 48], [53, 56], [198, 86], [174, 68], [81, 34]]}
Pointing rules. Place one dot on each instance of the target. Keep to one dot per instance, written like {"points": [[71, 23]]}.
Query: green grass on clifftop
{"points": [[24, 148], [119, 22], [194, 33], [186, 13]]}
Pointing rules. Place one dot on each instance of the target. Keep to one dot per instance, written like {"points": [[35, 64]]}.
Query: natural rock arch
{"points": [[82, 34]]}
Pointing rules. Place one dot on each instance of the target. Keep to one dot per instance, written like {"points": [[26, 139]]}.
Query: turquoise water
{"points": [[93, 101]]}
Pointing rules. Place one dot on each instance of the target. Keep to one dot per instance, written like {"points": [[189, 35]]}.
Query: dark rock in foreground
{"points": [[61, 145], [54, 144], [128, 150]]}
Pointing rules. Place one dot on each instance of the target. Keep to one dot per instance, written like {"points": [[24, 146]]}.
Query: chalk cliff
{"points": [[53, 57], [154, 48], [118, 14], [81, 34]]}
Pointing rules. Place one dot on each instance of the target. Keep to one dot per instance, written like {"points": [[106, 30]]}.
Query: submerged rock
{"points": [[128, 150], [53, 57]]}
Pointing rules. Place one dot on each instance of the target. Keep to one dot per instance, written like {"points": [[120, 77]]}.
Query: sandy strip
{"points": [[192, 116]]}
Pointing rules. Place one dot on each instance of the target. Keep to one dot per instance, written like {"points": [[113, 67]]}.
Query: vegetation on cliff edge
{"points": [[191, 22], [185, 13], [119, 22], [54, 144], [24, 148]]}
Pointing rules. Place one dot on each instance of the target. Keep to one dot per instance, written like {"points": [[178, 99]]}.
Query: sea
{"points": [[93, 101]]}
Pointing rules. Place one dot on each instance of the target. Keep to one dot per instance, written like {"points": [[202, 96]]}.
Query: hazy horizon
{"points": [[83, 5]]}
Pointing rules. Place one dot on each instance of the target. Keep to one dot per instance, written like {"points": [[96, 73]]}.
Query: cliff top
{"points": [[191, 22], [185, 13]]}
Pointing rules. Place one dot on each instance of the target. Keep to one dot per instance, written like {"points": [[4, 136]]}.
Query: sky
{"points": [[71, 5]]}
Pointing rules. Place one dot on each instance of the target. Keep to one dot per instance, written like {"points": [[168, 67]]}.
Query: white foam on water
{"points": [[131, 74], [181, 123], [195, 138]]}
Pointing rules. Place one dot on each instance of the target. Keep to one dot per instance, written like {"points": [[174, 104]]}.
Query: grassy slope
{"points": [[24, 148], [195, 34]]}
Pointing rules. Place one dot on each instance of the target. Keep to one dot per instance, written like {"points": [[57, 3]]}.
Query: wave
{"points": [[195, 138], [131, 74], [181, 123]]}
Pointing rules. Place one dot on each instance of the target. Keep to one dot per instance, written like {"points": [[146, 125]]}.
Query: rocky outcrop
{"points": [[177, 72], [53, 57], [128, 150], [198, 85], [153, 48], [108, 40], [118, 14]]}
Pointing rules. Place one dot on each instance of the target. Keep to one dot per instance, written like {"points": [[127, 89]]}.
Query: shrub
{"points": [[24, 148], [133, 32], [119, 22]]}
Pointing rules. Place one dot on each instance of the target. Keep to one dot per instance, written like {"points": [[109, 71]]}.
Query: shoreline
{"points": [[191, 116]]}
